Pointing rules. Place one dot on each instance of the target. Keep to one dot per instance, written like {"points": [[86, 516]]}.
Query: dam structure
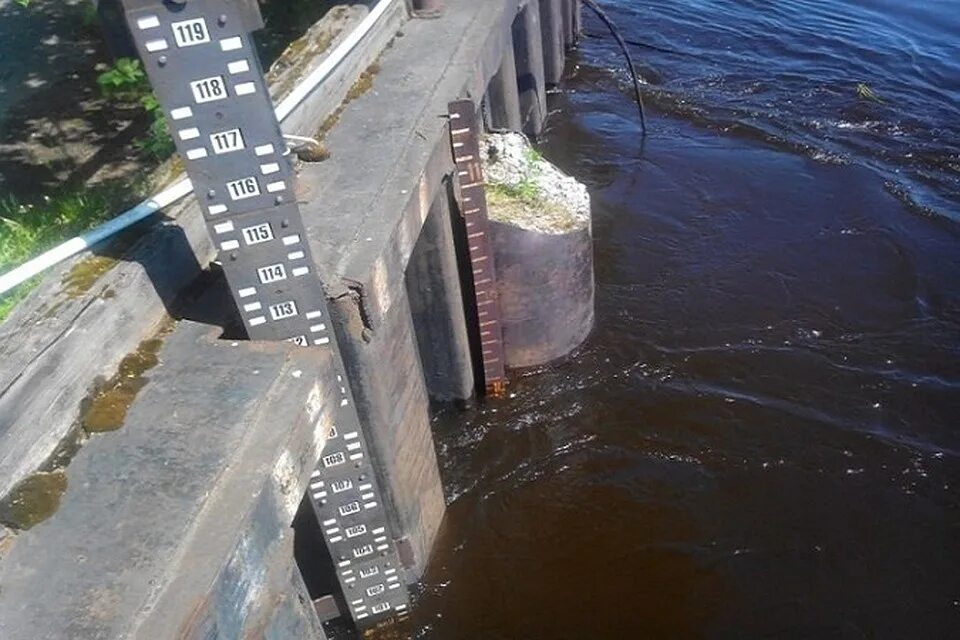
{"points": [[227, 433]]}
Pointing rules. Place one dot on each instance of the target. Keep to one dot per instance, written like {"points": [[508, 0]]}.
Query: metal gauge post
{"points": [[200, 59], [465, 141]]}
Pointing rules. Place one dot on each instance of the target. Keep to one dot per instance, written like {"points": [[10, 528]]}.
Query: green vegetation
{"points": [[526, 191], [33, 500], [127, 83], [532, 156], [27, 229], [522, 205]]}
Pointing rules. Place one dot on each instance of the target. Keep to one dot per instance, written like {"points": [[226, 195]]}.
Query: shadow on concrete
{"points": [[207, 300]]}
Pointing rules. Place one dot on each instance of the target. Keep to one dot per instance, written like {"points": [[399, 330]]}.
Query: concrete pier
{"points": [[554, 40], [436, 302], [577, 21], [503, 95], [528, 50], [541, 237]]}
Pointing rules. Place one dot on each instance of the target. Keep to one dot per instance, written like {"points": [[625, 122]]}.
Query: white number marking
{"points": [[365, 550], [284, 310], [376, 590], [358, 530], [380, 608], [349, 508], [334, 459], [300, 341], [227, 141], [244, 188], [370, 571], [339, 486], [208, 89], [190, 32], [258, 234], [272, 273]]}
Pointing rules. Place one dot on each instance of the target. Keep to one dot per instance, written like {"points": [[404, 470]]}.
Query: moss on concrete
{"points": [[516, 205], [81, 278], [106, 408], [363, 84], [34, 500], [526, 191], [298, 58]]}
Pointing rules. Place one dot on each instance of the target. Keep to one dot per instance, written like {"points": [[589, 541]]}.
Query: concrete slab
{"points": [[178, 524]]}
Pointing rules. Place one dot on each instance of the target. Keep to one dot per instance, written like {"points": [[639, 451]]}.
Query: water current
{"points": [[760, 439]]}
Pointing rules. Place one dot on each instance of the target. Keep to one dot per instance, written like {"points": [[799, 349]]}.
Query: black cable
{"points": [[626, 52], [645, 45]]}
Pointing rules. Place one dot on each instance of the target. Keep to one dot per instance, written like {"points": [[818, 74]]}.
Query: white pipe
{"points": [[181, 189], [83, 242]]}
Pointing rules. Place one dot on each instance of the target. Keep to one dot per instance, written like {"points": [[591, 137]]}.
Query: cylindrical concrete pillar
{"points": [[436, 303], [503, 96], [545, 282], [577, 21], [567, 10], [554, 51], [528, 49]]}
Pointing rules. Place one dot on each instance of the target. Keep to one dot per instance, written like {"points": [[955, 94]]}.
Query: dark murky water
{"points": [[761, 438]]}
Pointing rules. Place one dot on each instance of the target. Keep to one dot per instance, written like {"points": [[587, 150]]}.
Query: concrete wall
{"points": [[177, 525]]}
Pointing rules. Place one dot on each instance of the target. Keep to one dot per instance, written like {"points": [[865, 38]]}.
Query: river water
{"points": [[761, 438]]}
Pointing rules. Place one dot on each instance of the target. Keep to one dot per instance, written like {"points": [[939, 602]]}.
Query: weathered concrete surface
{"points": [[554, 39], [61, 338], [57, 343], [177, 525], [503, 96], [546, 291], [436, 301], [365, 208], [327, 97], [542, 243], [528, 51]]}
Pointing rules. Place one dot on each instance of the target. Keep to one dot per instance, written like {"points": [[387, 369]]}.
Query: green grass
{"points": [[29, 228], [531, 155], [525, 191]]}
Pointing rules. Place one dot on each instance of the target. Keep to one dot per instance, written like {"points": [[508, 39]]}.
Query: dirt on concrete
{"points": [[525, 190]]}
